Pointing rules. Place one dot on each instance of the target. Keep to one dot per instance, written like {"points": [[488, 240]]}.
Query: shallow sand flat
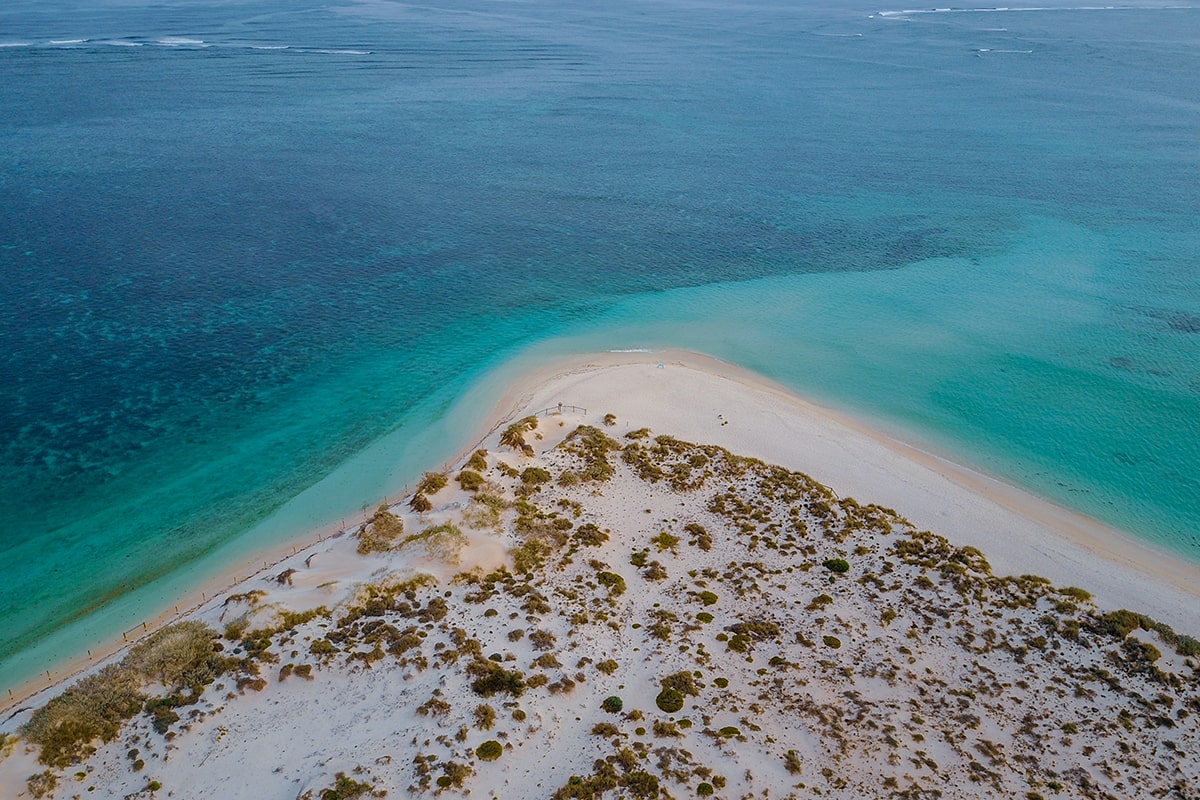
{"points": [[965, 686]]}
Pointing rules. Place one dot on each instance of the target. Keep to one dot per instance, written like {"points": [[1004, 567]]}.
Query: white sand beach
{"points": [[912, 668]]}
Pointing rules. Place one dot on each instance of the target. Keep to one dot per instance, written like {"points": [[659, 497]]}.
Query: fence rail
{"points": [[559, 409]]}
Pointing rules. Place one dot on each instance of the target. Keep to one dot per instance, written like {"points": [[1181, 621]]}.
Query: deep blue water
{"points": [[242, 241]]}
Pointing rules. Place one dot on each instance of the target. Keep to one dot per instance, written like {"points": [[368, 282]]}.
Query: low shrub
{"points": [[346, 788], [432, 483], [162, 712], [613, 582], [655, 572], [94, 708], [381, 533], [178, 655], [543, 640], [470, 480], [608, 666], [489, 750], [478, 461], [640, 784], [664, 729], [434, 707], [592, 446], [665, 541], [838, 565], [819, 602], [739, 643], [484, 511], [1119, 624], [453, 775], [546, 661], [485, 717], [683, 681], [42, 784], [669, 700], [443, 542], [700, 535], [514, 435], [758, 630], [612, 705], [533, 476], [491, 678]]}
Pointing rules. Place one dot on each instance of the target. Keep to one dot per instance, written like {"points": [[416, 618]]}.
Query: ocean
{"points": [[264, 262]]}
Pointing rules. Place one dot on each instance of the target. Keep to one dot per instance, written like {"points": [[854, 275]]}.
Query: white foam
{"points": [[15, 44], [181, 41], [67, 41], [122, 43], [342, 52], [268, 47], [1022, 9]]}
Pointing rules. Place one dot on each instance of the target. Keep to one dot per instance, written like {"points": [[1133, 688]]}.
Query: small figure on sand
{"points": [[560, 408]]}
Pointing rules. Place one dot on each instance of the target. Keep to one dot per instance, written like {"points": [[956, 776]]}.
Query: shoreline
{"points": [[961, 503], [1120, 546], [228, 578], [866, 461]]}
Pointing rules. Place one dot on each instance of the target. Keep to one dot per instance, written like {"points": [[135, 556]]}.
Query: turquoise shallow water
{"points": [[955, 351], [258, 251]]}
